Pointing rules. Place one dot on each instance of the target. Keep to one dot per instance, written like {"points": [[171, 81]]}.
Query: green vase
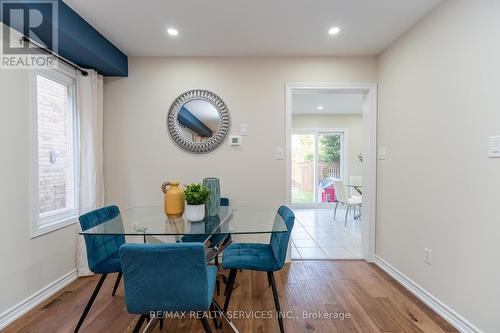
{"points": [[212, 206]]}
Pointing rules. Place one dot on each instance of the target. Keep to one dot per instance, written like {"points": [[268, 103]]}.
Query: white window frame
{"points": [[47, 222]]}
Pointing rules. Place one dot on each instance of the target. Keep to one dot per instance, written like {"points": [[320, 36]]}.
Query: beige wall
{"points": [[27, 264], [438, 103], [139, 154], [353, 123]]}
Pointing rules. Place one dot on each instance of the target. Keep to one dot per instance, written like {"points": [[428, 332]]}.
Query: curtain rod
{"points": [[46, 50]]}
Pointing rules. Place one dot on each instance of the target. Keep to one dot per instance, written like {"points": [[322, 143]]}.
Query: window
{"points": [[55, 181]]}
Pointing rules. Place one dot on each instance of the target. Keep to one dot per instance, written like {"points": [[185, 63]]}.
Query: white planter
{"points": [[195, 213]]}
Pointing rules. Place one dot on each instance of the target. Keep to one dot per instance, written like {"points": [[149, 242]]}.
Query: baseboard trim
{"points": [[35, 299], [459, 322]]}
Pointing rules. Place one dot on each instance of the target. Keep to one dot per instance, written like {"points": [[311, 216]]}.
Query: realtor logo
{"points": [[37, 20]]}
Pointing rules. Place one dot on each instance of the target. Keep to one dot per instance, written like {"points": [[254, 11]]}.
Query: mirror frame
{"points": [[212, 143]]}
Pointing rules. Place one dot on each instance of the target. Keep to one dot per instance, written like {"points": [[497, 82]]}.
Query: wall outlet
{"points": [[428, 256]]}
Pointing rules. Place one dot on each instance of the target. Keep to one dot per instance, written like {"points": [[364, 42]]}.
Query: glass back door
{"points": [[317, 160], [303, 168]]}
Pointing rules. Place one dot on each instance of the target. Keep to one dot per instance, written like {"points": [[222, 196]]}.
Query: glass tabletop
{"points": [[153, 221]]}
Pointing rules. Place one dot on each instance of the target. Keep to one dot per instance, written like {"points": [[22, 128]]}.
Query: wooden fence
{"points": [[303, 174]]}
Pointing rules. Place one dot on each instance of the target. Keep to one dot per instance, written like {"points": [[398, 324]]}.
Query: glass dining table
{"points": [[152, 225], [152, 221]]}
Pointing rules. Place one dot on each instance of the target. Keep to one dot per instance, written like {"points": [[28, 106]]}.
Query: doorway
{"points": [[319, 156]]}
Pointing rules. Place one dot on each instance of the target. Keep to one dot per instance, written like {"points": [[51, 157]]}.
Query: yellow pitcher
{"points": [[174, 199]]}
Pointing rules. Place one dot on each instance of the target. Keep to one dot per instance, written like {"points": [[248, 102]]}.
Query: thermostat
{"points": [[235, 140]]}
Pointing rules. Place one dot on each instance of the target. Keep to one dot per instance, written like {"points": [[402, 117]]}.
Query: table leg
{"points": [[213, 252], [150, 325], [219, 311]]}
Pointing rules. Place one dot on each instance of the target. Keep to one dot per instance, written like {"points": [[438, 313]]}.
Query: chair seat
{"points": [[252, 256], [110, 265], [355, 201]]}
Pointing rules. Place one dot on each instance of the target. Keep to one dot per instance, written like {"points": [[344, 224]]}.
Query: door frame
{"points": [[369, 152], [344, 161]]}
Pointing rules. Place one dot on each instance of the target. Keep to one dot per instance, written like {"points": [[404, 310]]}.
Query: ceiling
{"points": [[345, 102], [252, 28]]}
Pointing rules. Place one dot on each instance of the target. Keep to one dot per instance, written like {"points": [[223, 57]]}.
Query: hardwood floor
{"points": [[373, 300]]}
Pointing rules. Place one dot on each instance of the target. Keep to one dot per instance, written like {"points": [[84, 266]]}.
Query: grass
{"points": [[299, 196]]}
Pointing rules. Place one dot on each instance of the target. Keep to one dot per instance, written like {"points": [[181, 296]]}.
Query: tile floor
{"points": [[317, 236]]}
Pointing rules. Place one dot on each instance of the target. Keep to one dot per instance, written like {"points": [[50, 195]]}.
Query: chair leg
{"points": [[269, 280], [225, 281], [161, 323], [346, 213], [138, 325], [229, 288], [204, 322], [90, 302], [276, 301], [213, 313], [335, 211], [217, 282], [117, 283]]}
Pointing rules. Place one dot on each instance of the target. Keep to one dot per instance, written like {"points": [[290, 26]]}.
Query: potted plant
{"points": [[196, 195]]}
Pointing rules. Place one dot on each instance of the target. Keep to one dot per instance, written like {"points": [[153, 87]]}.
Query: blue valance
{"points": [[77, 41]]}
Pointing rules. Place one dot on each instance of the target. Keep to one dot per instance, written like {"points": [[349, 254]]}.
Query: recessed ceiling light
{"points": [[320, 107], [172, 31], [334, 30]]}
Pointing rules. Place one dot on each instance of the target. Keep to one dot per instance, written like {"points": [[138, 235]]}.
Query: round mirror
{"points": [[198, 121]]}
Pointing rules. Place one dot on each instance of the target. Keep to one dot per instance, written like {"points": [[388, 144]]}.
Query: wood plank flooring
{"points": [[373, 300]]}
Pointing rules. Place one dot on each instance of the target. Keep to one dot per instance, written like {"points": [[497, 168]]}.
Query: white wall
{"points": [[353, 123], [438, 103], [139, 154], [27, 265]]}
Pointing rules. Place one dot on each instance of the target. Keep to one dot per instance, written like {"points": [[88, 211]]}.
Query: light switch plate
{"points": [[280, 154], [243, 129], [381, 153], [428, 256], [494, 146]]}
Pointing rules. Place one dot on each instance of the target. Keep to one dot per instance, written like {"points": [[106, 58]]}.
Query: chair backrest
{"points": [[340, 191], [165, 277], [224, 201], [100, 247], [279, 240], [355, 180]]}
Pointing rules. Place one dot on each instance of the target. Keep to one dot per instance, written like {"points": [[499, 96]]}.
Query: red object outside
{"points": [[328, 194]]}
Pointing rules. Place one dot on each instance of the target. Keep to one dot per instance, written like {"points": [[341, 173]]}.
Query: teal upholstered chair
{"points": [[260, 257], [167, 278], [102, 252]]}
